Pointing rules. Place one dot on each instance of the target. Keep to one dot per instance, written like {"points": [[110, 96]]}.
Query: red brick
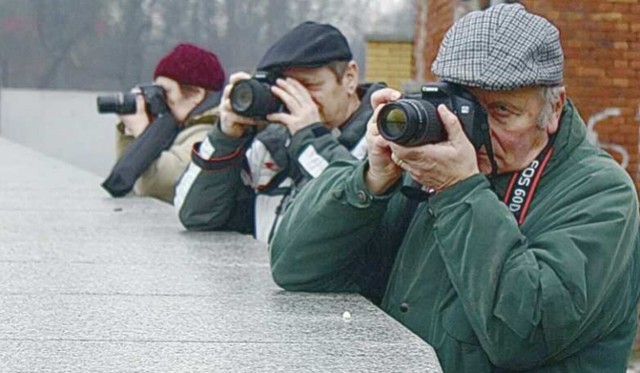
{"points": [[621, 45], [586, 71], [623, 27], [620, 73], [617, 138], [604, 7], [631, 132], [621, 64], [632, 55], [608, 16], [572, 16]]}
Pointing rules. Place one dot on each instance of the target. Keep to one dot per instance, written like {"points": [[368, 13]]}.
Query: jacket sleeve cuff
{"points": [[305, 135], [458, 193], [219, 151], [357, 194]]}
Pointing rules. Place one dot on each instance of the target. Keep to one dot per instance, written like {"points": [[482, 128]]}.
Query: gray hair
{"points": [[550, 95]]}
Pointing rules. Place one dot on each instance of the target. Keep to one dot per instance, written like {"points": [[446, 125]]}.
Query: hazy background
{"points": [[56, 56], [114, 44]]}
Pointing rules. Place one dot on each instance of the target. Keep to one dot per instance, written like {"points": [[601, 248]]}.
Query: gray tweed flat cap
{"points": [[501, 48]]}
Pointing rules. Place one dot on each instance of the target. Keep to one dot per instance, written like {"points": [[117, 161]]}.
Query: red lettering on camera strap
{"points": [[523, 184]]}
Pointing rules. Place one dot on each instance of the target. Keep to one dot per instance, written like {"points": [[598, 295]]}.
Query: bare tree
{"points": [[114, 44], [61, 25]]}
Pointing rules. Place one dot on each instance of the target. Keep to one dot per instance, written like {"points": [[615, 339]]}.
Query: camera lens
{"points": [[242, 97], [251, 98], [107, 104], [117, 104], [395, 122], [410, 122]]}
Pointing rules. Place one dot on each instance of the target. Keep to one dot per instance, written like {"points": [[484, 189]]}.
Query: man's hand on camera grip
{"points": [[303, 111], [383, 172], [135, 124], [232, 124]]}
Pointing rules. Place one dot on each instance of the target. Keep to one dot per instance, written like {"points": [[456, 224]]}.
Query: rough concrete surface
{"points": [[89, 283]]}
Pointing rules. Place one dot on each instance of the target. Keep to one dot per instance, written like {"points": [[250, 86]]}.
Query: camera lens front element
{"points": [[242, 96], [410, 122], [395, 122]]}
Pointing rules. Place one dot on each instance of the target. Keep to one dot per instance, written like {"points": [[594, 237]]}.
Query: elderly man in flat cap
{"points": [[242, 181], [523, 258]]}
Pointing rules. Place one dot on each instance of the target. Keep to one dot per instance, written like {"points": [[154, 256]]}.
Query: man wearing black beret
{"points": [[521, 255], [239, 180]]}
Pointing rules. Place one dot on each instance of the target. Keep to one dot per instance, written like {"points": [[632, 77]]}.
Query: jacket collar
{"points": [[571, 133], [205, 112], [354, 129]]}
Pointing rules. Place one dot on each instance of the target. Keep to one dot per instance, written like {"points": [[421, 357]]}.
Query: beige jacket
{"points": [[159, 179]]}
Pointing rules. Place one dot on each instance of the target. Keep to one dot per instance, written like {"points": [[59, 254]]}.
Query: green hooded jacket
{"points": [[556, 294]]}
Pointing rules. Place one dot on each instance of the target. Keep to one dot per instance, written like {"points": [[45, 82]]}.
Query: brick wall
{"points": [[440, 15], [389, 61], [601, 41]]}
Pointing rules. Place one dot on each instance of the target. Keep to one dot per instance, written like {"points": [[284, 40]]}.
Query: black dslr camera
{"points": [[253, 97], [414, 121], [125, 103]]}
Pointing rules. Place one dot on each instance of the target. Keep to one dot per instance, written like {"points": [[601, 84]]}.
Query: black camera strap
{"points": [[523, 184]]}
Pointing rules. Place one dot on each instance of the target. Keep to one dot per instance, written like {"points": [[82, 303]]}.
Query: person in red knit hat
{"points": [[189, 76]]}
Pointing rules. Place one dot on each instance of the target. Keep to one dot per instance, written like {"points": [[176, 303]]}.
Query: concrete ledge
{"points": [[94, 284]]}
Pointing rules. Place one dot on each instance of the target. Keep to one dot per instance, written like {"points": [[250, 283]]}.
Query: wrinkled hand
{"points": [[383, 172], [136, 123], [232, 124], [303, 111], [444, 164]]}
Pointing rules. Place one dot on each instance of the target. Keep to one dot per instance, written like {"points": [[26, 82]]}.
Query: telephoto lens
{"points": [[410, 122], [121, 103], [252, 98]]}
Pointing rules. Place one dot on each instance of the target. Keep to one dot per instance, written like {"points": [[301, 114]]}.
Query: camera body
{"points": [[125, 103], [414, 121], [253, 98]]}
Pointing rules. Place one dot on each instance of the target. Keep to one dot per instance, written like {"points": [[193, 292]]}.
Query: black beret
{"points": [[307, 45]]}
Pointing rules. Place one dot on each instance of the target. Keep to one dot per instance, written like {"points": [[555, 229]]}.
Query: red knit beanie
{"points": [[192, 65]]}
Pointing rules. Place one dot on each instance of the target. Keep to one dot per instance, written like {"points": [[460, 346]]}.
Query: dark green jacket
{"points": [[556, 294]]}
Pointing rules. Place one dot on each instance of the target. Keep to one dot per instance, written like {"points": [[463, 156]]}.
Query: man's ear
{"points": [[350, 77], [554, 121]]}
